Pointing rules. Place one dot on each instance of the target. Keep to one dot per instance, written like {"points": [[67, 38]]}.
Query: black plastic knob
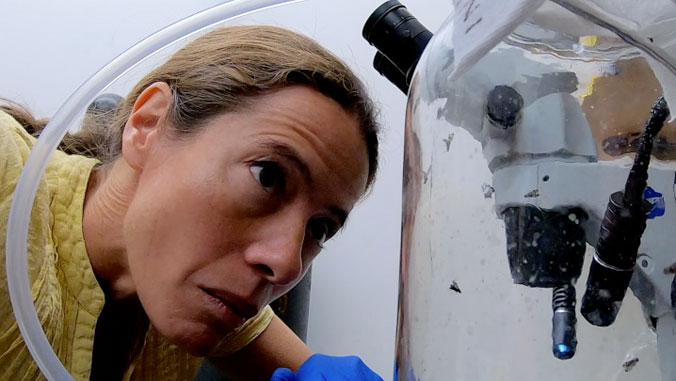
{"points": [[504, 106]]}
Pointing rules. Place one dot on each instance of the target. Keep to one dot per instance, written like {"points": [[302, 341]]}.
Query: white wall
{"points": [[50, 48]]}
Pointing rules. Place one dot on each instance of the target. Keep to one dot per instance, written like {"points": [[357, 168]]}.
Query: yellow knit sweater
{"points": [[67, 296]]}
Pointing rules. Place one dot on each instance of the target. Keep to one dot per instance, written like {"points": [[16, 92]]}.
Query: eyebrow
{"points": [[291, 154]]}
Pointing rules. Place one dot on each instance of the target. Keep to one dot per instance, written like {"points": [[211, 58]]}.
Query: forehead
{"points": [[314, 127], [307, 111]]}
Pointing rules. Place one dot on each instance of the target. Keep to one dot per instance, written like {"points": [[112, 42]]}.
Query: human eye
{"points": [[321, 230], [269, 175]]}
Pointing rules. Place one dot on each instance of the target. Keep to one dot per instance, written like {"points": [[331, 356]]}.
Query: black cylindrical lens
{"points": [[613, 264], [604, 294], [390, 71], [398, 35]]}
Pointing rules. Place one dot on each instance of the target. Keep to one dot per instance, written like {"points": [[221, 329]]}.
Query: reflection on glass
{"points": [[516, 176]]}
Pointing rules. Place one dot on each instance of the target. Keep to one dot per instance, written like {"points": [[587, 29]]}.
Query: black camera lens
{"points": [[390, 71], [399, 37]]}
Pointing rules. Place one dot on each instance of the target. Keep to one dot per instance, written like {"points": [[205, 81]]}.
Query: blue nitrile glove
{"points": [[328, 368]]}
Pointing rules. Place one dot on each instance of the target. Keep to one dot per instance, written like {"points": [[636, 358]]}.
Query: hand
{"points": [[329, 368]]}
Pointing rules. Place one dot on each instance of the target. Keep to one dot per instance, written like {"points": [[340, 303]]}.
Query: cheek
{"points": [[171, 231], [164, 231], [183, 218]]}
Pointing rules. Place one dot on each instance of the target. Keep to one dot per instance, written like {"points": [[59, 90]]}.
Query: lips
{"points": [[238, 305]]}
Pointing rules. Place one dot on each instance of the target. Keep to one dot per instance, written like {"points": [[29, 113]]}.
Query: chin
{"points": [[196, 339]]}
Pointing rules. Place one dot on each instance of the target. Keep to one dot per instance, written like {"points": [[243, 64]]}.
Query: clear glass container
{"points": [[507, 176]]}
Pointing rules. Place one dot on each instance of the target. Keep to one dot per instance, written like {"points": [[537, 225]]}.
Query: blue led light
{"points": [[563, 351], [563, 348]]}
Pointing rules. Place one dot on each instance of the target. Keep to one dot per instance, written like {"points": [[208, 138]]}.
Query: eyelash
{"points": [[328, 231]]}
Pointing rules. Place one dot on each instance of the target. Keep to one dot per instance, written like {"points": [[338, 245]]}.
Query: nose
{"points": [[277, 252]]}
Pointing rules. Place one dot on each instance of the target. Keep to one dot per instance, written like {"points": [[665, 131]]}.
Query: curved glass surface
{"points": [[507, 177]]}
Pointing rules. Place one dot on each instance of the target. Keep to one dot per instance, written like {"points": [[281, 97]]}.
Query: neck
{"points": [[110, 190]]}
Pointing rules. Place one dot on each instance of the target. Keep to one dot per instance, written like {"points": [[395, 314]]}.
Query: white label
{"points": [[480, 24]]}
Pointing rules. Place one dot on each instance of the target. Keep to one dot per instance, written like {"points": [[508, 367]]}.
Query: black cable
{"points": [[621, 230], [638, 177]]}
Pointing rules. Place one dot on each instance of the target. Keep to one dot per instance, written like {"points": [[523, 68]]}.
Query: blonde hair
{"points": [[225, 69]]}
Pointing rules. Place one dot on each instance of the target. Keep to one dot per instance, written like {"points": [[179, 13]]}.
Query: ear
{"points": [[144, 126]]}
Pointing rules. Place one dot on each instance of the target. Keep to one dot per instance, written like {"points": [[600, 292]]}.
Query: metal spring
{"points": [[563, 297]]}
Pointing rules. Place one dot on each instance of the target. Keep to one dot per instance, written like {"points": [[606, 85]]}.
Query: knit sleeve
{"points": [[245, 334]]}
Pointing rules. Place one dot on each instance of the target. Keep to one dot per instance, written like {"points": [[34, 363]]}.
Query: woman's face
{"points": [[225, 220]]}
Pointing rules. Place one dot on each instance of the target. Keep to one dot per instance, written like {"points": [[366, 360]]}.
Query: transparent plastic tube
{"points": [[29, 180]]}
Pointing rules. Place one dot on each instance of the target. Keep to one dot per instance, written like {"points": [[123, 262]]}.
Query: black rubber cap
{"points": [[377, 15], [504, 106]]}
